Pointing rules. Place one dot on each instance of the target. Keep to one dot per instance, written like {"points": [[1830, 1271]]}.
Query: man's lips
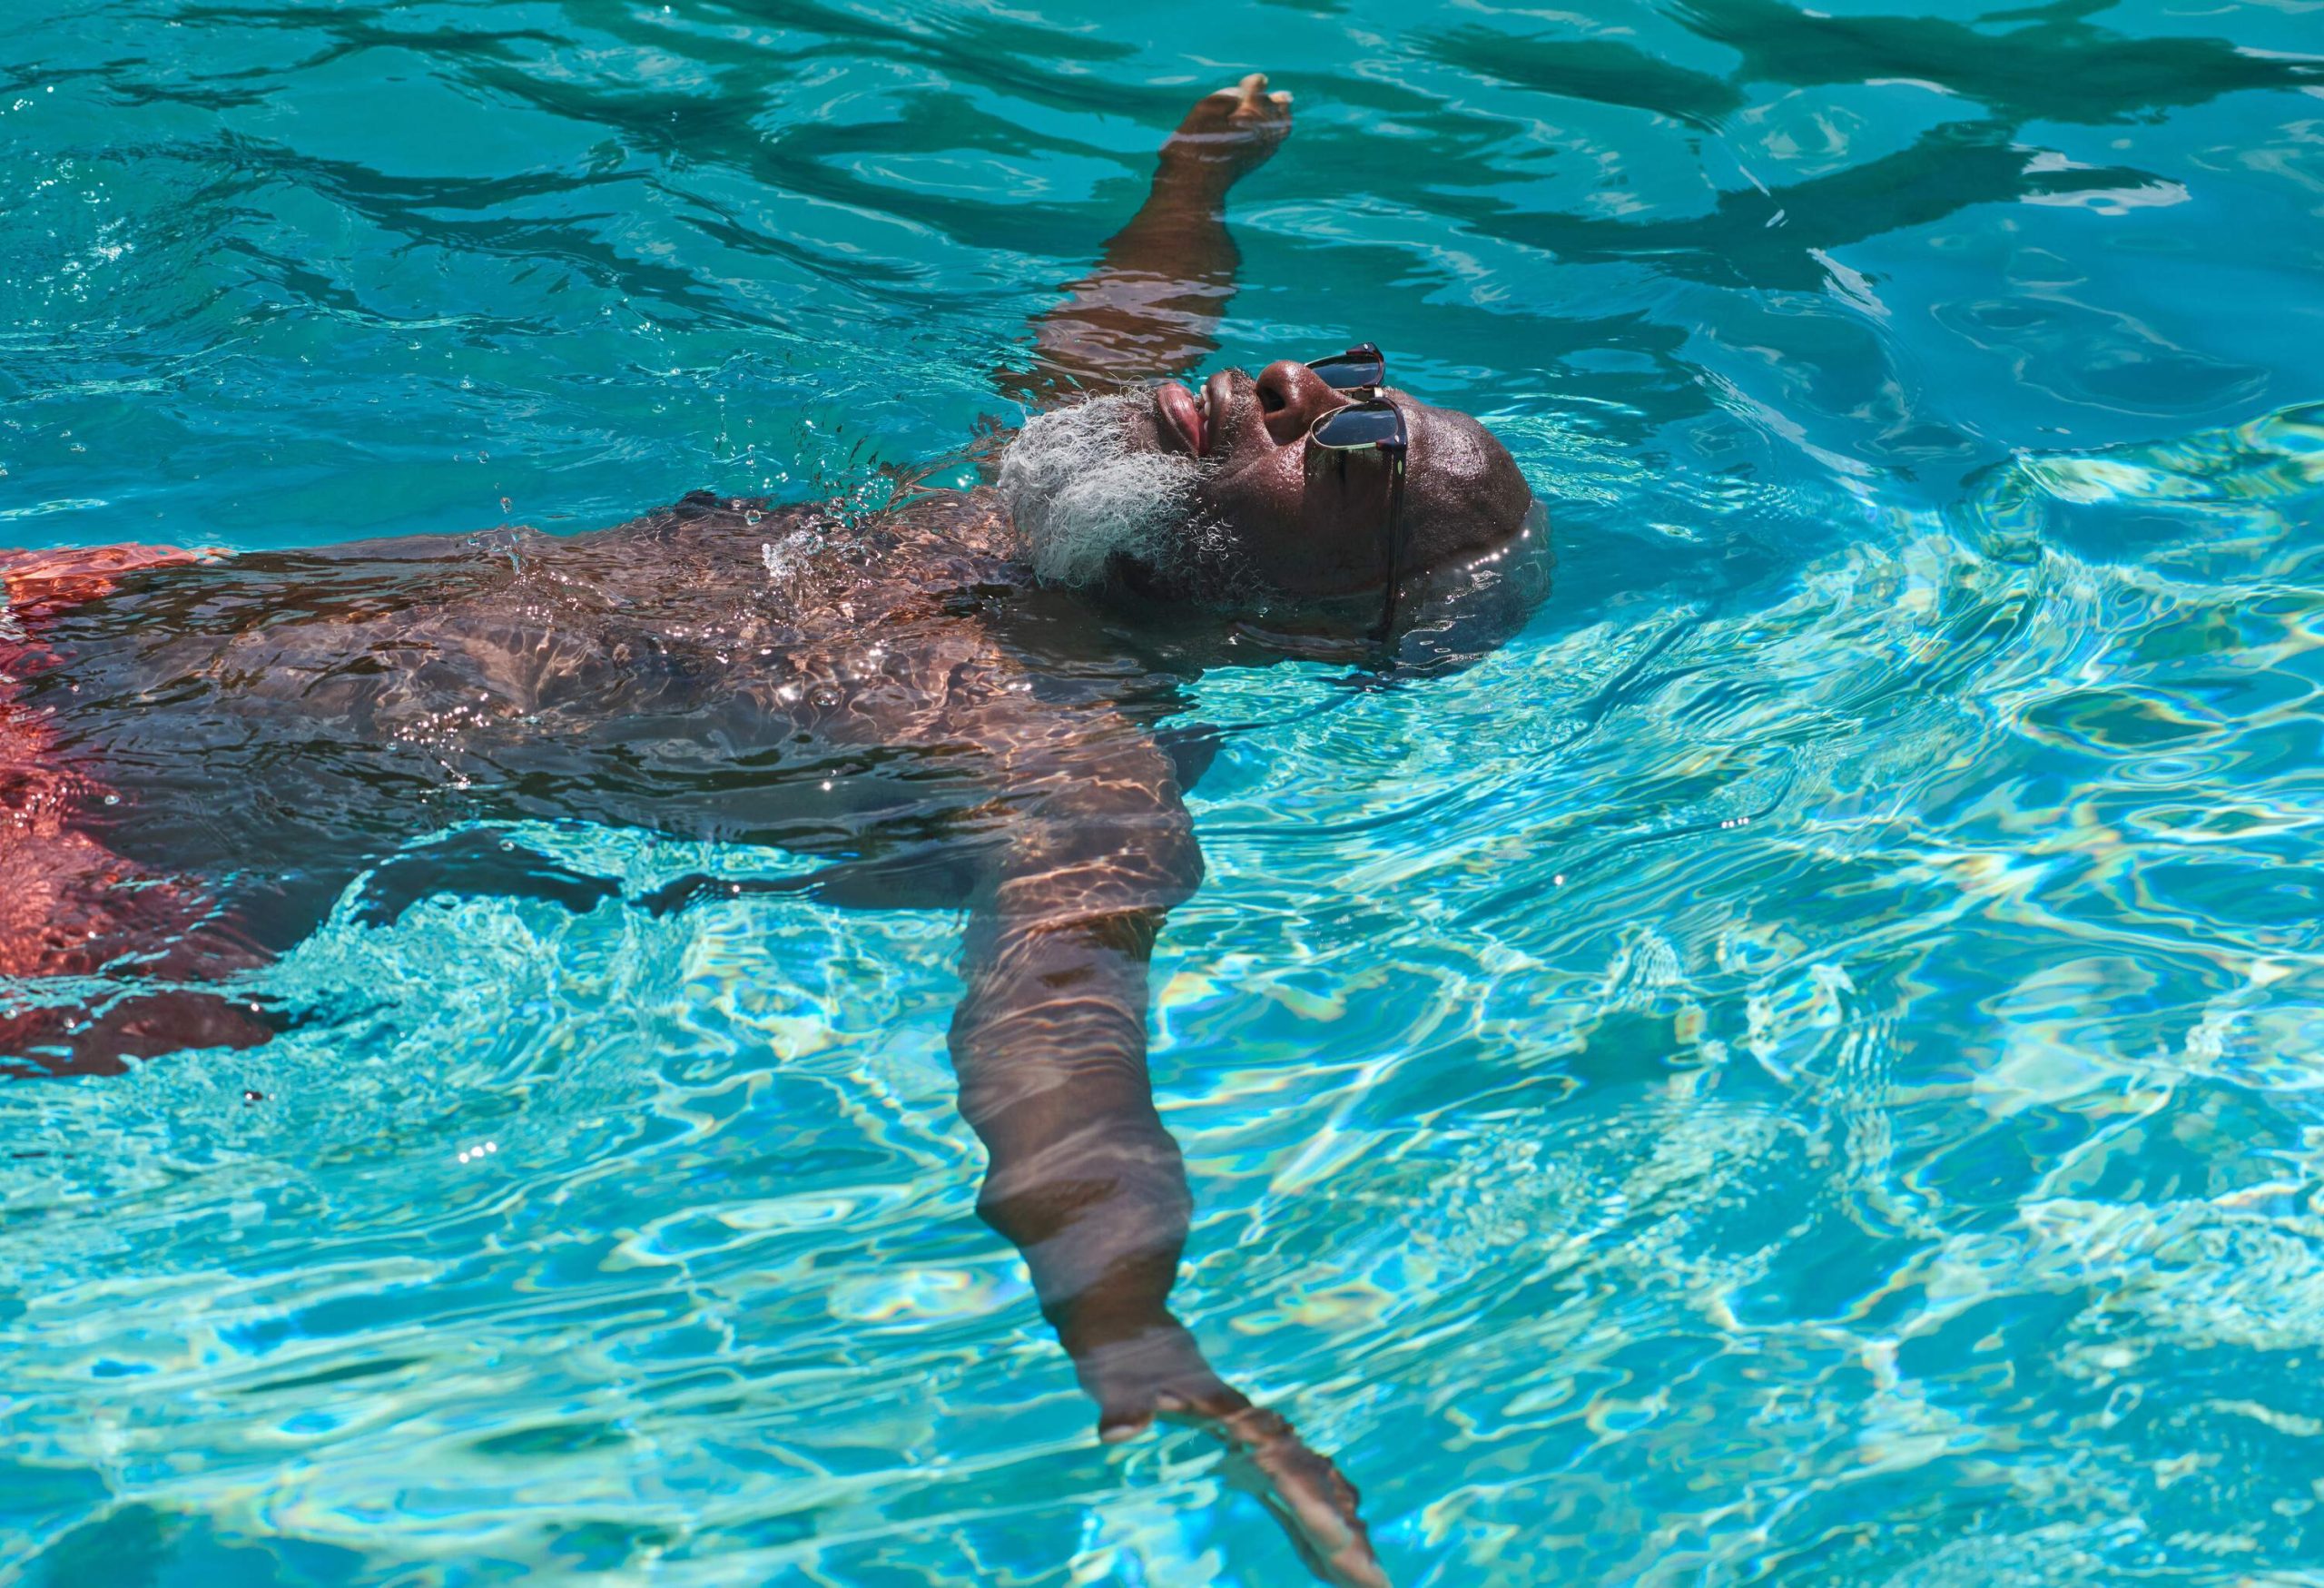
{"points": [[1183, 426]]}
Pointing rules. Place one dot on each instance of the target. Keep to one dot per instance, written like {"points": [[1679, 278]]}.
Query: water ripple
{"points": [[1797, 1068]]}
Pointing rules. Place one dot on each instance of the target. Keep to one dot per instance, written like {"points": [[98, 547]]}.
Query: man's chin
{"points": [[1087, 484], [1199, 571], [1136, 578]]}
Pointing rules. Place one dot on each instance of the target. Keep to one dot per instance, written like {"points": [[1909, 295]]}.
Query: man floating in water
{"points": [[952, 702]]}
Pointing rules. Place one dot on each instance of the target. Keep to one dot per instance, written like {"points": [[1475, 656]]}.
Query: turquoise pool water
{"points": [[1803, 1067]]}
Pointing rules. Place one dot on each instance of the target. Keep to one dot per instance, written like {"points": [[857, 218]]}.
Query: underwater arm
{"points": [[1049, 1042], [1148, 308], [1050, 1045]]}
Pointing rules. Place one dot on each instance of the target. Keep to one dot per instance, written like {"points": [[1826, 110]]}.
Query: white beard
{"points": [[1080, 495]]}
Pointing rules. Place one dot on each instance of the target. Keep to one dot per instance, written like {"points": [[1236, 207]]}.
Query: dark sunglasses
{"points": [[1369, 424]]}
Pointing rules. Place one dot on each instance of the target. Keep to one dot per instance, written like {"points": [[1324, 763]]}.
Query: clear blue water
{"points": [[1802, 1068]]}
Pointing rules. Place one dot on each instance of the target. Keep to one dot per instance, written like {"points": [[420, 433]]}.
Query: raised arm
{"points": [[1148, 310], [1050, 1045]]}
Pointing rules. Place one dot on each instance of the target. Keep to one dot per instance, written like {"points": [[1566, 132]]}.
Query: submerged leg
{"points": [[476, 864], [69, 906]]}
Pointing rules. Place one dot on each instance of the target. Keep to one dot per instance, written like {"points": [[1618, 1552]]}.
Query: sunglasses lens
{"points": [[1347, 371], [1367, 424]]}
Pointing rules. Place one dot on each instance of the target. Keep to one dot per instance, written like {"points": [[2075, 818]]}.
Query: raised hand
{"points": [[1148, 308], [1229, 133]]}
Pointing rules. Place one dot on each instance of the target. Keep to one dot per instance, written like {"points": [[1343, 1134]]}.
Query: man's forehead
{"points": [[1453, 439]]}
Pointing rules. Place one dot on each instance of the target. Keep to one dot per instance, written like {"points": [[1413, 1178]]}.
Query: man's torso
{"points": [[274, 725]]}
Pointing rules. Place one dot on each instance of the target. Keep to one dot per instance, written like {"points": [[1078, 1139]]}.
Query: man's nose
{"points": [[1291, 396]]}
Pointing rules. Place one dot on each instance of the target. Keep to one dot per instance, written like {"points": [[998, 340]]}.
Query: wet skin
{"points": [[198, 756]]}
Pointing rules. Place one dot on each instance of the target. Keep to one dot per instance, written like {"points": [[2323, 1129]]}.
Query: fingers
{"points": [[1314, 1503], [1252, 100], [1233, 130], [1125, 1411], [1252, 88], [1159, 1376], [1121, 1423]]}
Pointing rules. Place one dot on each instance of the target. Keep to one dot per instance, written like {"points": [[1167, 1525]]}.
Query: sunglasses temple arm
{"points": [[1396, 547]]}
